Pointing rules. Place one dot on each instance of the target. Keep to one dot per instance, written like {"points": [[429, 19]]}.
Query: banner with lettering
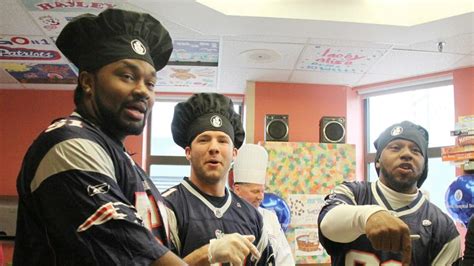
{"points": [[195, 53], [29, 48], [339, 59], [52, 15], [34, 59], [187, 76]]}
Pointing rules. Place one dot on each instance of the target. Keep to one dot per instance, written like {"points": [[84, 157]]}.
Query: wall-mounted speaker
{"points": [[332, 129], [276, 128]]}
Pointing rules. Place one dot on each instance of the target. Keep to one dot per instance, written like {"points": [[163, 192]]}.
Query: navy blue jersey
{"points": [[198, 220], [83, 201], [422, 217]]}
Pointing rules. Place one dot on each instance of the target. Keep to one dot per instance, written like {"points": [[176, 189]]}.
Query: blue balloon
{"points": [[278, 205], [459, 198]]}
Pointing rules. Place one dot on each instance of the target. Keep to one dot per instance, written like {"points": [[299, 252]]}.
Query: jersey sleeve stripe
{"points": [[344, 190], [173, 229], [73, 154]]}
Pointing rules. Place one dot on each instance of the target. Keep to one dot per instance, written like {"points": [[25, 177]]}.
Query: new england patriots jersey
{"points": [[422, 217], [194, 221], [83, 201]]}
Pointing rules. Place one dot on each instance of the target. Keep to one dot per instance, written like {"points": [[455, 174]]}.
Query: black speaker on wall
{"points": [[276, 128], [332, 129]]}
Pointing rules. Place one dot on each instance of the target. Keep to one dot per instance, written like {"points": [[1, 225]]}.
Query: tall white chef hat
{"points": [[250, 166]]}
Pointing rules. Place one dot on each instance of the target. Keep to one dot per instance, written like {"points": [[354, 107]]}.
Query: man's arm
{"points": [[450, 253], [263, 241], [285, 256], [342, 221], [169, 258], [76, 192], [277, 238], [345, 223]]}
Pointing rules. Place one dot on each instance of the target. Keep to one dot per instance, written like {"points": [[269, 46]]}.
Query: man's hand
{"points": [[389, 233], [232, 248]]}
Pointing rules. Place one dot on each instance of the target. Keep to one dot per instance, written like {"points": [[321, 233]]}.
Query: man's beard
{"points": [[204, 177], [112, 122], [396, 185]]}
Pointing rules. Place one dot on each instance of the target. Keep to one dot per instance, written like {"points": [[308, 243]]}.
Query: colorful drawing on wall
{"points": [[306, 172], [191, 52], [52, 16], [308, 168], [40, 73], [187, 76], [6, 78], [28, 48], [308, 249], [339, 59], [305, 208]]}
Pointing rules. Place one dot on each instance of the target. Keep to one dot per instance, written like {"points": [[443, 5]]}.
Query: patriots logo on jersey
{"points": [[105, 213]]}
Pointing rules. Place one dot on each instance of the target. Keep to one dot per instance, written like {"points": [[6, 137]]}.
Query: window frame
{"points": [[369, 157], [163, 159]]}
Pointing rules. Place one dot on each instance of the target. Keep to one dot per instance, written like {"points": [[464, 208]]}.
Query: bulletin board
{"points": [[302, 173]]}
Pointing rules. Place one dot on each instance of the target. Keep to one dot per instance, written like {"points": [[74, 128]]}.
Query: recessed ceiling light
{"points": [[261, 56]]}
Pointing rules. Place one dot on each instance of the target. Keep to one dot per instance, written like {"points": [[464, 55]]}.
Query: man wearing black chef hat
{"points": [[82, 199], [202, 209]]}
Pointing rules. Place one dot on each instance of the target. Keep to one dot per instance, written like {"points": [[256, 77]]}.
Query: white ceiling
{"points": [[273, 49]]}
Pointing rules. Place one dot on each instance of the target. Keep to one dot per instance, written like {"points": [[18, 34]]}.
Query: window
{"points": [[167, 164], [431, 106]]}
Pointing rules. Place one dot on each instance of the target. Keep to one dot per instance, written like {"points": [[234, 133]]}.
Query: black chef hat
{"points": [[206, 112], [91, 42], [408, 131]]}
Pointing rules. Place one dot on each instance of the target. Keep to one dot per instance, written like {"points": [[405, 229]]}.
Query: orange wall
{"points": [[355, 130], [463, 95], [464, 91], [23, 115], [304, 103]]}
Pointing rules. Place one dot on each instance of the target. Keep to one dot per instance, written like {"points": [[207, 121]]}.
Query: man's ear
{"points": [[187, 151], [235, 151], [87, 82], [236, 188], [377, 164]]}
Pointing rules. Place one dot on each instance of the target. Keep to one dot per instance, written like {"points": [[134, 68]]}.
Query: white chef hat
{"points": [[250, 166]]}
